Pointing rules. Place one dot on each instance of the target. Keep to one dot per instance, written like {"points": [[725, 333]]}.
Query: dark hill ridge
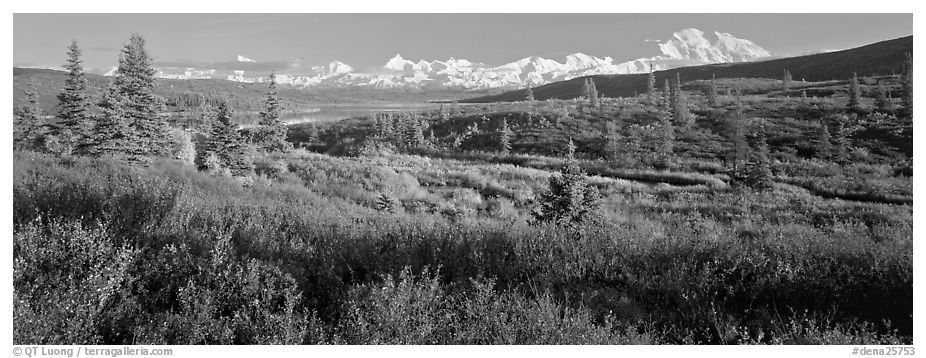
{"points": [[881, 58]]}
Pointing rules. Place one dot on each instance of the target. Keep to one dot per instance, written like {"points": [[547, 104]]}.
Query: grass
{"points": [[304, 251], [296, 259]]}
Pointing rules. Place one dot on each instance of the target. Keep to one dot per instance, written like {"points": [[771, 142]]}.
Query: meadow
{"points": [[353, 241]]}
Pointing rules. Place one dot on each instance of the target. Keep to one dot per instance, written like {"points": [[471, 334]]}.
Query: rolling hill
{"points": [[880, 58], [182, 94]]}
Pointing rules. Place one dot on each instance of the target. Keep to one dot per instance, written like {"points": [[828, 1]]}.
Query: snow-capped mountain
{"points": [[685, 48]]}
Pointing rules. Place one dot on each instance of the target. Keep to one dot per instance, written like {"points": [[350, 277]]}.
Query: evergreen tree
{"points": [[666, 138], [855, 94], [586, 88], [270, 134], [504, 138], [906, 81], [786, 80], [679, 108], [74, 104], [412, 132], [758, 172], [667, 95], [881, 101], [841, 140], [804, 97], [612, 148], [570, 149], [28, 121], [135, 81], [592, 93], [227, 144], [313, 138], [112, 133], [823, 143], [712, 92], [651, 81], [570, 200], [529, 95]]}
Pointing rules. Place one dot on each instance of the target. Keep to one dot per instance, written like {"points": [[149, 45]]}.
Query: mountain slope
{"points": [[882, 58]]}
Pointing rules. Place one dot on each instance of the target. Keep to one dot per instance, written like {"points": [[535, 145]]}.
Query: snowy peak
{"points": [[338, 67], [691, 44], [686, 47], [398, 63]]}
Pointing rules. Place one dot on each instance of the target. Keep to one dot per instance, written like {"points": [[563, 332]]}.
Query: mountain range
{"points": [[686, 47]]}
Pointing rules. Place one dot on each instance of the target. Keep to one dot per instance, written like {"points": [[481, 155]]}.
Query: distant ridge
{"points": [[881, 58]]}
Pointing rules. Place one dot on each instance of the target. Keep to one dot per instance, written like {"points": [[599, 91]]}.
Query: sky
{"points": [[369, 40]]}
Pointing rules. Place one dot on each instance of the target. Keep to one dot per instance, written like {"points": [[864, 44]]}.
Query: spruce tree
{"points": [[529, 93], [28, 121], [906, 81], [841, 140], [667, 95], [758, 172], [679, 109], [504, 138], [313, 138], [881, 101], [270, 134], [786, 80], [570, 200], [592, 93], [74, 104], [135, 81], [112, 132], [712, 92], [651, 81], [586, 88], [823, 146], [227, 144], [666, 138], [612, 148], [855, 94]]}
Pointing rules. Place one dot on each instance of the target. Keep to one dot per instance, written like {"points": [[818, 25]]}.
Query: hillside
{"points": [[182, 95], [882, 58]]}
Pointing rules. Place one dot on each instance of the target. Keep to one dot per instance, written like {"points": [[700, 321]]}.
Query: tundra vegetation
{"points": [[723, 211]]}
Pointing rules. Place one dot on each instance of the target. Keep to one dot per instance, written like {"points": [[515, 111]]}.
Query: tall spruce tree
{"points": [[529, 93], [73, 104], [667, 95], [586, 88], [841, 140], [786, 80], [881, 101], [712, 92], [906, 81], [855, 94], [135, 81], [823, 146], [758, 173], [270, 134], [226, 142], [112, 133], [504, 138], [593, 98], [612, 148], [666, 140], [679, 108], [28, 121], [651, 81]]}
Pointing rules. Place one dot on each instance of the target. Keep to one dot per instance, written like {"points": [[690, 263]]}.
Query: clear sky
{"points": [[363, 40]]}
